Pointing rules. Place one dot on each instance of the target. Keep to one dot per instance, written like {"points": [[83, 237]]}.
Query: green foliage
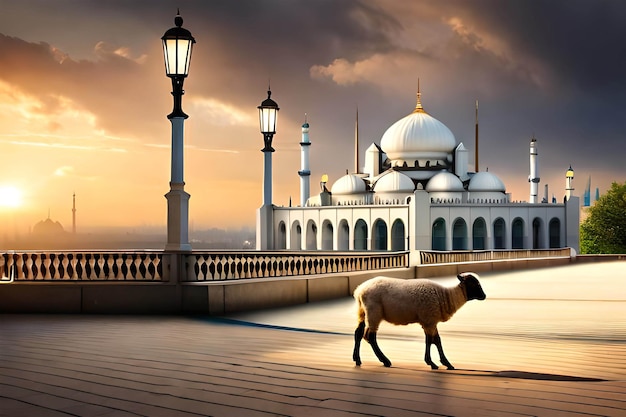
{"points": [[604, 231]]}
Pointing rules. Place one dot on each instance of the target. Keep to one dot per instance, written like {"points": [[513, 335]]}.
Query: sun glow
{"points": [[10, 197]]}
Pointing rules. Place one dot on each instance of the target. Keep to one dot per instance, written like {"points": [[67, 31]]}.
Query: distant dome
{"points": [[48, 227], [349, 184], [394, 181], [417, 137], [486, 181], [444, 181]]}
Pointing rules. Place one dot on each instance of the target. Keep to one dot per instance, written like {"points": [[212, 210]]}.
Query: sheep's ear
{"points": [[461, 277]]}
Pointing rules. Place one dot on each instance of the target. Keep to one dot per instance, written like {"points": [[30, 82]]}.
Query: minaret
{"points": [[356, 143], [476, 135], [533, 178], [569, 187], [74, 213], [304, 173]]}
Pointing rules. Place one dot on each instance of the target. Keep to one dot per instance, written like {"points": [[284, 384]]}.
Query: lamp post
{"points": [[177, 46], [268, 113]]}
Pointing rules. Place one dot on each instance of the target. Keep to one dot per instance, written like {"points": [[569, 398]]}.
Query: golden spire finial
{"points": [[418, 106]]}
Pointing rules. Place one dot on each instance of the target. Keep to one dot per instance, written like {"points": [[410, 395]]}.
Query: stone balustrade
{"points": [[447, 257], [82, 266], [226, 265], [240, 265]]}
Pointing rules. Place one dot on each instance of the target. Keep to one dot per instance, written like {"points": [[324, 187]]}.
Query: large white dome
{"points": [[394, 181], [418, 137], [444, 181], [486, 181]]}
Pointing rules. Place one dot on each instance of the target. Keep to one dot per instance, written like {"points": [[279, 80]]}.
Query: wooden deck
{"points": [[297, 362]]}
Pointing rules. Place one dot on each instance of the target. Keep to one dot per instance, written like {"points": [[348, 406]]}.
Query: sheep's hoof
{"points": [[387, 364], [433, 366], [450, 367], [357, 362]]}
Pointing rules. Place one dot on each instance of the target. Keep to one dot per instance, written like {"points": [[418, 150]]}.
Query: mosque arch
{"points": [[517, 233], [360, 235], [554, 229], [459, 234], [439, 234], [327, 235], [296, 236], [398, 237], [311, 235], [499, 234], [343, 235], [379, 235], [281, 238], [538, 241], [479, 234]]}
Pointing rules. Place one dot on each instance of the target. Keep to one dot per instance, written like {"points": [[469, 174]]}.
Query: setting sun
{"points": [[10, 196]]}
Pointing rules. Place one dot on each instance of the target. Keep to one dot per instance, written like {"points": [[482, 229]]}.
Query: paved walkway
{"points": [[522, 352]]}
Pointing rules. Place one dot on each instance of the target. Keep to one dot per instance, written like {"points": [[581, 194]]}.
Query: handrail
{"points": [[240, 265], [446, 257], [81, 266]]}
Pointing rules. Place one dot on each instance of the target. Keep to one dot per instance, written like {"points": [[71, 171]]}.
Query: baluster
{"points": [[136, 266], [128, 261], [33, 269], [45, 267]]}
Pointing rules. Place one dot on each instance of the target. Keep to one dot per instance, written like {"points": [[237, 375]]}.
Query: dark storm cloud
{"points": [[580, 41]]}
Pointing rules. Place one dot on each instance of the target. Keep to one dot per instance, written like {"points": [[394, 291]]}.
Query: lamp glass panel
{"points": [[177, 56], [267, 118]]}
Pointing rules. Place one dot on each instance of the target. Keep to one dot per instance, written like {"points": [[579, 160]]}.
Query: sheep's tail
{"points": [[358, 305]]}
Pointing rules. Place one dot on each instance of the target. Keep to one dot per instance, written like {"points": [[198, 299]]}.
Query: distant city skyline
{"points": [[84, 98]]}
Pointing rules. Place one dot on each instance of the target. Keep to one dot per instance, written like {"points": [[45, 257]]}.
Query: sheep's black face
{"points": [[472, 287]]}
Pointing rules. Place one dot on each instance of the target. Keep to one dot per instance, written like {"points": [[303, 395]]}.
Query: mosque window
{"points": [[439, 234], [555, 233]]}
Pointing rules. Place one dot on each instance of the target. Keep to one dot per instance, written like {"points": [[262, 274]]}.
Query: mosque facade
{"points": [[414, 193]]}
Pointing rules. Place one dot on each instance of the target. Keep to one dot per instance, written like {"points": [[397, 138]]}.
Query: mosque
{"points": [[415, 193]]}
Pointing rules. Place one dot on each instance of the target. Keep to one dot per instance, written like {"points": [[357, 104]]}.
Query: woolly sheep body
{"points": [[402, 302]]}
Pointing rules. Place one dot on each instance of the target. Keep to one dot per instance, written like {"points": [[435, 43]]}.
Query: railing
{"points": [[229, 265], [226, 265], [436, 257], [198, 266], [82, 266]]}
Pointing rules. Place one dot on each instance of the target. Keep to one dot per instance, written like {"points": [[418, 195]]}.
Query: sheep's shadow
{"points": [[537, 376]]}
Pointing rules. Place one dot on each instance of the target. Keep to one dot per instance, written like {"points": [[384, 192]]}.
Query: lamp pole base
{"points": [[177, 219]]}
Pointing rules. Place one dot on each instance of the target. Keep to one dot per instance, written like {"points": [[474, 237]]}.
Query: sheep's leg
{"points": [[437, 341], [427, 358], [358, 335], [371, 339]]}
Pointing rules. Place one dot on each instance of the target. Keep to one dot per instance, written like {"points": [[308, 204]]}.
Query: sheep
{"points": [[400, 301]]}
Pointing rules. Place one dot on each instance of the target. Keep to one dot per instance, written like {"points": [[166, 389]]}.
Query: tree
{"points": [[604, 231]]}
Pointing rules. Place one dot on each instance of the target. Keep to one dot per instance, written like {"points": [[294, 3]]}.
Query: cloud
{"points": [[219, 113], [64, 171]]}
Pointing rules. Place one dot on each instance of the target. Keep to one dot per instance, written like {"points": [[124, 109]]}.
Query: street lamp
{"points": [[268, 113], [177, 46]]}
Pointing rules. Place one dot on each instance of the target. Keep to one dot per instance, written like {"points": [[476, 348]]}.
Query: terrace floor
{"points": [[545, 342]]}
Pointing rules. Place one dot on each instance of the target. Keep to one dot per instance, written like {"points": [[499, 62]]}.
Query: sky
{"points": [[84, 97]]}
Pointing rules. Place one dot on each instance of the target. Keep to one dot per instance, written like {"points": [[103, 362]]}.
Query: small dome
{"points": [[486, 181], [444, 181], [349, 184], [394, 181]]}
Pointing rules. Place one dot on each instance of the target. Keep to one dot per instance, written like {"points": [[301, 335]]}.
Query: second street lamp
{"points": [[177, 46]]}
